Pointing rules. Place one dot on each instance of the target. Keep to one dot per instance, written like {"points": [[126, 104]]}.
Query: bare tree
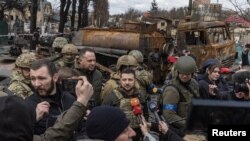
{"points": [[101, 11], [73, 14], [7, 5], [154, 7], [132, 14], [33, 23], [83, 12], [242, 8], [64, 9]]}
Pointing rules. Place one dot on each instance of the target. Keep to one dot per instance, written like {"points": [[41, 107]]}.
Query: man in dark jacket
{"points": [[18, 117], [87, 67], [47, 93]]}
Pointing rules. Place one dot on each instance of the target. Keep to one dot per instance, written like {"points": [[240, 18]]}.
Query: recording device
{"points": [[241, 87], [154, 108], [203, 113], [69, 85], [137, 111], [154, 90]]}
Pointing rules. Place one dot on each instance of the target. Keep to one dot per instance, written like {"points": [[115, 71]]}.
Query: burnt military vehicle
{"points": [[207, 39]]}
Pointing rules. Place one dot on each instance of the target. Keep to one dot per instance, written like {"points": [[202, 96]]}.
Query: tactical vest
{"points": [[125, 106], [186, 94]]}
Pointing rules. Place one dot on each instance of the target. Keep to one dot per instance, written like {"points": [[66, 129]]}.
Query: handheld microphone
{"points": [[134, 102], [153, 89], [137, 112], [154, 108]]}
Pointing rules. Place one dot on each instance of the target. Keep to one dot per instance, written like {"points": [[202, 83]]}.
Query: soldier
{"points": [[87, 67], [69, 52], [178, 93], [143, 75], [20, 79], [113, 82], [59, 43], [122, 97]]}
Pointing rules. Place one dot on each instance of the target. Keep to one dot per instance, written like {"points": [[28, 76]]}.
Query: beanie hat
{"points": [[106, 123], [17, 119], [208, 63]]}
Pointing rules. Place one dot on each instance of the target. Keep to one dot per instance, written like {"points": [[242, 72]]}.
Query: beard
{"points": [[45, 92], [127, 88]]}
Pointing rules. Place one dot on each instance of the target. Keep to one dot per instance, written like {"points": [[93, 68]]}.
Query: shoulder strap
{"points": [[118, 94], [170, 83], [24, 85]]}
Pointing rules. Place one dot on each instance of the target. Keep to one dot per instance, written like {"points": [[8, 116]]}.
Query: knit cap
{"points": [[106, 123]]}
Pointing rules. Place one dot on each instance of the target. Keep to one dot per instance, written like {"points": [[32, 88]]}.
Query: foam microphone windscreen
{"points": [[137, 110]]}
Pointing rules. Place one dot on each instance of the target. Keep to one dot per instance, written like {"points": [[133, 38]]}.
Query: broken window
{"points": [[195, 38], [218, 35]]}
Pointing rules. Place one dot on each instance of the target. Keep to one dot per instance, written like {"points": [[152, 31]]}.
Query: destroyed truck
{"points": [[207, 39]]}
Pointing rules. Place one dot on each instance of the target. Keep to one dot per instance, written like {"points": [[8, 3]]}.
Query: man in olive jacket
{"points": [[86, 66]]}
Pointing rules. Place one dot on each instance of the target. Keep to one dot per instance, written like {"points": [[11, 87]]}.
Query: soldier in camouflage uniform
{"points": [[59, 43], [143, 75], [113, 82], [179, 92], [122, 97], [69, 52], [20, 78]]}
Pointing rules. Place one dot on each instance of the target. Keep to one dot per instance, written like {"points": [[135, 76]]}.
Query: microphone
{"points": [[134, 102], [153, 89], [137, 111], [154, 108]]}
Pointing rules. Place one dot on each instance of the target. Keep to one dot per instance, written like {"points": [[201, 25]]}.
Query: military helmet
{"points": [[25, 60], [59, 42], [186, 65], [70, 49], [137, 54], [126, 60]]}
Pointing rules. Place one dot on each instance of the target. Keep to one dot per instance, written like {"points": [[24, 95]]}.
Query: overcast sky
{"points": [[121, 6]]}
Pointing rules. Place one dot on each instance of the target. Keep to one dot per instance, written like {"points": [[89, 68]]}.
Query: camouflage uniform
{"points": [[119, 98], [19, 85], [58, 43], [113, 82], [143, 75], [65, 61], [177, 95]]}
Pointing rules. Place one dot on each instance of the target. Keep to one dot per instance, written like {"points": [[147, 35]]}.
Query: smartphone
{"points": [[69, 85]]}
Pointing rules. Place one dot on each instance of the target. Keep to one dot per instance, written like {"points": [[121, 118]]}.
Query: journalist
{"points": [[241, 80]]}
